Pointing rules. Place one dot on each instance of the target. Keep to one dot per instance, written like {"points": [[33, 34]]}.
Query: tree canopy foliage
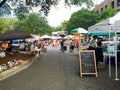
{"points": [[7, 24], [108, 12], [85, 18], [44, 5], [33, 23], [5, 10], [82, 18]]}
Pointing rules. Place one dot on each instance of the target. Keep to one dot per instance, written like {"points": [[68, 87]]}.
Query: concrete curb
{"points": [[15, 70]]}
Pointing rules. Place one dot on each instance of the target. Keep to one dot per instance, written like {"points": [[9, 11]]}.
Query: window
{"points": [[118, 2], [105, 6], [112, 4], [97, 11], [101, 9]]}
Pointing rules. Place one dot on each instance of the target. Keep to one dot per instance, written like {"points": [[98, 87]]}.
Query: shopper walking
{"points": [[72, 45]]}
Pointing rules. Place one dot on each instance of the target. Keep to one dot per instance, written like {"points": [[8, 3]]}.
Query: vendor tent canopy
{"points": [[68, 37], [101, 34], [34, 38], [14, 34], [78, 30], [56, 37], [117, 25], [100, 27], [107, 25], [45, 37]]}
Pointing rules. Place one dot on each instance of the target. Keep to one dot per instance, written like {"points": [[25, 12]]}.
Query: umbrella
{"points": [[78, 30], [15, 34]]}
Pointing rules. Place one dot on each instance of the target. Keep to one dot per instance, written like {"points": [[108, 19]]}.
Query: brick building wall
{"points": [[114, 3]]}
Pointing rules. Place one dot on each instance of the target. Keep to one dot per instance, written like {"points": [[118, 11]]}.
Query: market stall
{"points": [[78, 35], [109, 27]]}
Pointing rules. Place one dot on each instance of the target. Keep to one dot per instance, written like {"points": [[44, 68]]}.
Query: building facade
{"points": [[114, 3]]}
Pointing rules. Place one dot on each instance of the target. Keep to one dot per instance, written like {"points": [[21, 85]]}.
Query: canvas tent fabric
{"points": [[114, 18], [14, 34], [99, 27], [45, 37], [107, 25], [117, 25], [78, 30], [101, 34], [68, 36]]}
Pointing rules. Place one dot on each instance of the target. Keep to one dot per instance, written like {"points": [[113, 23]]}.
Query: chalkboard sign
{"points": [[87, 62]]}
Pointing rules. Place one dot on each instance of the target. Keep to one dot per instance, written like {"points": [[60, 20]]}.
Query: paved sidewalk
{"points": [[55, 70], [14, 70]]}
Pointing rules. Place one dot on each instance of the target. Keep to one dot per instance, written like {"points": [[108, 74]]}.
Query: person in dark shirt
{"points": [[72, 45], [10, 48], [61, 48]]}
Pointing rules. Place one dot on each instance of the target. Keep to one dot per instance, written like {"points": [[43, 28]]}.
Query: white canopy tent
{"points": [[99, 27], [117, 25], [56, 37], [68, 37], [35, 37], [46, 37], [110, 25]]}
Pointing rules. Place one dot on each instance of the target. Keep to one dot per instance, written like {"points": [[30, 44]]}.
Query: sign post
{"points": [[87, 63]]}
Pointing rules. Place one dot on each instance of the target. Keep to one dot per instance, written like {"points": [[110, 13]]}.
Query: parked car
{"points": [[19, 43]]}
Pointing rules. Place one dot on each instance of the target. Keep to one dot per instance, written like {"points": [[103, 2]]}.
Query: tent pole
{"points": [[116, 72], [109, 52]]}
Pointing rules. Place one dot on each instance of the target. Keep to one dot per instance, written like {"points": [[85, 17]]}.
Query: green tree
{"points": [[59, 28], [82, 18], [21, 9], [44, 5], [7, 24], [33, 23], [64, 25], [108, 12]]}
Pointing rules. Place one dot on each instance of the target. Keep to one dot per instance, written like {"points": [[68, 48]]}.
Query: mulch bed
{"points": [[17, 56]]}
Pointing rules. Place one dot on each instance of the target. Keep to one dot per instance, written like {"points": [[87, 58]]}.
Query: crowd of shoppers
{"points": [[67, 45]]}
